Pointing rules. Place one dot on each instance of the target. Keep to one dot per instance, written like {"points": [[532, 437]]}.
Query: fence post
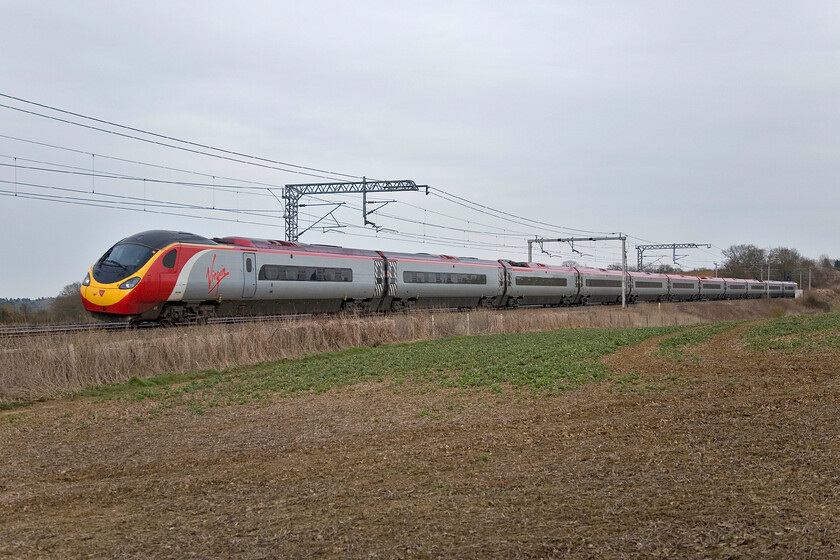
{"points": [[187, 352], [71, 350]]}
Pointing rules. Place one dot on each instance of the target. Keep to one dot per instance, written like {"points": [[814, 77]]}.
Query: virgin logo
{"points": [[215, 277]]}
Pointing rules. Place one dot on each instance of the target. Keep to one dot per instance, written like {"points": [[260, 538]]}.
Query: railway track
{"points": [[47, 330]]}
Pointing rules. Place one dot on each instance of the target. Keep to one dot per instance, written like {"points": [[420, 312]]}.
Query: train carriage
{"points": [[540, 284], [683, 288], [599, 285], [281, 277], [645, 286], [775, 289], [439, 281], [756, 289], [712, 288], [789, 289], [735, 288]]}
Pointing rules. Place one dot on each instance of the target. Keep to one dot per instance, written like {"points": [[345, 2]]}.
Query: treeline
{"points": [[781, 263], [752, 262], [66, 307]]}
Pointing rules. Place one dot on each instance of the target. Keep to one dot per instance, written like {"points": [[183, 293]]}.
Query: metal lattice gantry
{"points": [[640, 250], [293, 193]]}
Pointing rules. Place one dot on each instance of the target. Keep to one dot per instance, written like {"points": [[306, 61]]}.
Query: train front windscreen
{"points": [[121, 260]]}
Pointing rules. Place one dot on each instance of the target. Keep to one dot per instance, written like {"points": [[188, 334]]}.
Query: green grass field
{"points": [[675, 347], [542, 363], [801, 332]]}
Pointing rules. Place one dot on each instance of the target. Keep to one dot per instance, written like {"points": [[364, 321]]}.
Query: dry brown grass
{"points": [[44, 367]]}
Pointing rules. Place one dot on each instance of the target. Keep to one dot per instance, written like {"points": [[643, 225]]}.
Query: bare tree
{"points": [[67, 305], [743, 261], [617, 266], [784, 262], [666, 269]]}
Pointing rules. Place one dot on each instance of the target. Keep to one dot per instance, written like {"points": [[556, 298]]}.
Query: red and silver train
{"points": [[174, 277]]}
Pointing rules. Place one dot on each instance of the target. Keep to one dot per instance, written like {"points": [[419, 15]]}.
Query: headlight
{"points": [[130, 283], [86, 281]]}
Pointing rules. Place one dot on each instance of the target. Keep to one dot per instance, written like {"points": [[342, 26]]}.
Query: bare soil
{"points": [[727, 454]]}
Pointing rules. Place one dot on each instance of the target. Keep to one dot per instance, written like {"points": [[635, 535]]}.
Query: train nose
{"points": [[102, 297]]}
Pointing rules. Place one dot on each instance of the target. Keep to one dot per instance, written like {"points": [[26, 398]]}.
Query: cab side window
{"points": [[170, 258]]}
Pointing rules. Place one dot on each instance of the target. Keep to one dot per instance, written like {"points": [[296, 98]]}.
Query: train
{"points": [[174, 277]]}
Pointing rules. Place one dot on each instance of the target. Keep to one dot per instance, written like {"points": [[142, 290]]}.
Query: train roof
{"points": [[160, 238], [657, 275], [429, 258], [600, 271], [291, 247], [535, 266]]}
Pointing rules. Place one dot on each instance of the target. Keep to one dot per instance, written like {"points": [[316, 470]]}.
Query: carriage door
{"points": [[249, 270]]}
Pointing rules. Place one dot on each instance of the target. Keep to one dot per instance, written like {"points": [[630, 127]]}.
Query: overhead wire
{"points": [[511, 215], [157, 135], [459, 218], [407, 220], [86, 173], [122, 202], [109, 204], [402, 236], [430, 224], [185, 149], [137, 162], [134, 200], [131, 203], [104, 175], [494, 231]]}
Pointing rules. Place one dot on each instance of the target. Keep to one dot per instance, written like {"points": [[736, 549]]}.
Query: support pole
{"points": [[623, 272], [531, 248]]}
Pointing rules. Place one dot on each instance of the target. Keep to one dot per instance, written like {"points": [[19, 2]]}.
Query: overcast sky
{"points": [[704, 122]]}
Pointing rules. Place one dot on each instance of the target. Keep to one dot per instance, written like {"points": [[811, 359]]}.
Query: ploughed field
{"points": [[712, 441]]}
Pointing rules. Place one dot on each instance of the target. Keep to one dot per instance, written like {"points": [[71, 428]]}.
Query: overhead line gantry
{"points": [[293, 193], [640, 249]]}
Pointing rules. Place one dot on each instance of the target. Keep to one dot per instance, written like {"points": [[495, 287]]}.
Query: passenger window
{"points": [[170, 258]]}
